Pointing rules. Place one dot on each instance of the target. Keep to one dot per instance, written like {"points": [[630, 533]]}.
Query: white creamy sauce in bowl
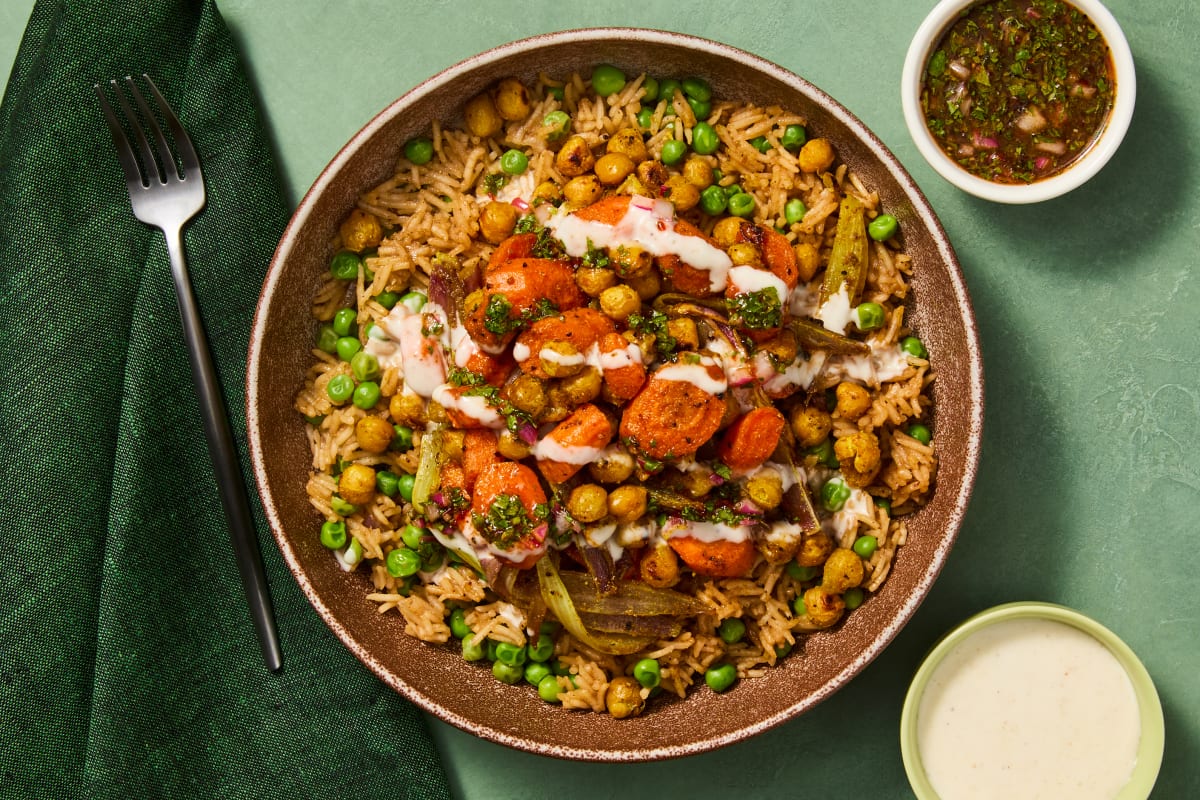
{"points": [[1028, 708]]}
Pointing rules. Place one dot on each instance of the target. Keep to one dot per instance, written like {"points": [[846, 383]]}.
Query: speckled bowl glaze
{"points": [[466, 695]]}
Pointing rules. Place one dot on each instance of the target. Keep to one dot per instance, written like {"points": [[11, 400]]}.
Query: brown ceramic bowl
{"points": [[438, 679]]}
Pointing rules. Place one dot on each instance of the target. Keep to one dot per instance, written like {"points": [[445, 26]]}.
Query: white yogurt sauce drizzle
{"points": [[836, 313]]}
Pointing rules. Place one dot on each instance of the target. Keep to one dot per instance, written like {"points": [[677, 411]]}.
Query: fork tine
{"points": [[168, 168], [125, 155], [148, 160], [187, 153]]}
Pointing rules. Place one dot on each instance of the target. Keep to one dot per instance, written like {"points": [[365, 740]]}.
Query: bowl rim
{"points": [[957, 505], [1091, 162], [1152, 739]]}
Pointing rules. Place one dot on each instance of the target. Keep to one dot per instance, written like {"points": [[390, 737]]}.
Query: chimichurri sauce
{"points": [[1017, 89]]}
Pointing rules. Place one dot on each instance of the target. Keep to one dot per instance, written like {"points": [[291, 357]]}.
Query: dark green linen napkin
{"points": [[128, 664]]}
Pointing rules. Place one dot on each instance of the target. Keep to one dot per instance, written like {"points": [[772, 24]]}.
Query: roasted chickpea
{"points": [[620, 301], [558, 406], [583, 190], [356, 484], [627, 503], [613, 466], [374, 434], [810, 425], [436, 413], [653, 174], [843, 570], [564, 359], [547, 192], [406, 409], [859, 456], [481, 116], [808, 260], [782, 346], [360, 231], [744, 254], [696, 483], [629, 142], [527, 393], [765, 489], [646, 286], [698, 172], [632, 186], [630, 261], [575, 158], [624, 697], [588, 503], [497, 220], [592, 281], [681, 193], [612, 168], [511, 446], [683, 330], [852, 400], [815, 548], [816, 155], [512, 100], [726, 231], [583, 387], [824, 607], [659, 566]]}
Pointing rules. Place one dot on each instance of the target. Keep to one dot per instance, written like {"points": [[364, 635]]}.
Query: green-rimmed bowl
{"points": [[1150, 744]]}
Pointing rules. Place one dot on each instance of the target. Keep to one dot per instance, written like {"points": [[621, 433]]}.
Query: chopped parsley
{"points": [[719, 514], [494, 182], [756, 310], [547, 246], [528, 224], [507, 522], [595, 258], [514, 418], [655, 324], [431, 325], [499, 319]]}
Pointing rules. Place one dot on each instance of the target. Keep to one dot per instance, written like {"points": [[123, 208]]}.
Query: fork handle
{"points": [[224, 456]]}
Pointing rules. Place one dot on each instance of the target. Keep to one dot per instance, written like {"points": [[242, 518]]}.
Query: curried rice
{"points": [[491, 566]]}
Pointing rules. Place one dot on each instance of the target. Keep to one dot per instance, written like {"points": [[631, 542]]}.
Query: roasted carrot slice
{"points": [[581, 327], [479, 452], [623, 376], [459, 411], [778, 255], [518, 246], [719, 559], [585, 430], [453, 477], [506, 477], [609, 210], [672, 419], [752, 437], [525, 281], [495, 369]]}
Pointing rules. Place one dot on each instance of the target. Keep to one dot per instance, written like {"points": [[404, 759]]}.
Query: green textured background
{"points": [[1087, 309]]}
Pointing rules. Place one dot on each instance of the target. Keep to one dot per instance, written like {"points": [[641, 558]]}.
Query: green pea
{"points": [[701, 108], [327, 339], [824, 453], [732, 189], [387, 482], [366, 395], [704, 139], [341, 507], [713, 201], [853, 598], [406, 487], [760, 144], [333, 534], [365, 366], [507, 673], [458, 624], [667, 88], [882, 227], [543, 648], [793, 137], [673, 151], [868, 316], [919, 432], [798, 607], [344, 321], [535, 672], [419, 150], [433, 559], [741, 205], [556, 92], [514, 162], [347, 346], [491, 649], [914, 347], [607, 79], [781, 650], [548, 689], [794, 211], [402, 562], [413, 301], [411, 535], [556, 124], [885, 504], [315, 421], [834, 494], [561, 669], [344, 265], [731, 630], [801, 573], [697, 88], [510, 653], [649, 90], [472, 652], [339, 388], [373, 331], [865, 546], [645, 118], [648, 673], [402, 442], [720, 678], [387, 299]]}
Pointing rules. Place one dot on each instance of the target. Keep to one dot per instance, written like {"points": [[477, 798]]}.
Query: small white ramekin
{"points": [[1097, 155]]}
